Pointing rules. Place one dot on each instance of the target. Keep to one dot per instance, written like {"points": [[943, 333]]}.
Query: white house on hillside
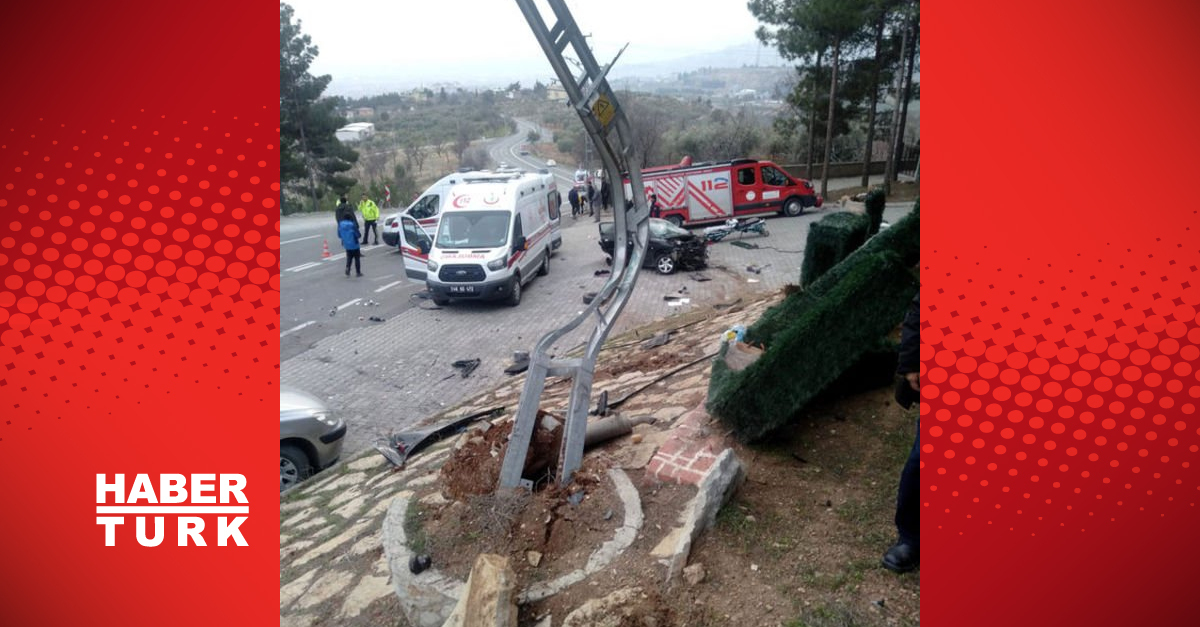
{"points": [[356, 131]]}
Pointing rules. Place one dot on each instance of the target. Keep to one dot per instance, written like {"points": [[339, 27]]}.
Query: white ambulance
{"points": [[412, 230], [494, 236]]}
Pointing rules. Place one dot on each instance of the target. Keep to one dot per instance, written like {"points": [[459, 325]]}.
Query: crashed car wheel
{"points": [[665, 264], [294, 466]]}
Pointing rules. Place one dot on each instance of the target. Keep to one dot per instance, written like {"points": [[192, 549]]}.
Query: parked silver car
{"points": [[310, 437]]}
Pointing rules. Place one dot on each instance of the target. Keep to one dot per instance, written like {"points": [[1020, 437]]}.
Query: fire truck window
{"points": [[746, 176], [772, 176]]}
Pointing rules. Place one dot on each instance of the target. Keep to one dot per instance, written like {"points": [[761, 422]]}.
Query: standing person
{"points": [[344, 210], [655, 208], [605, 194], [591, 198], [348, 232], [573, 198], [370, 213], [905, 554]]}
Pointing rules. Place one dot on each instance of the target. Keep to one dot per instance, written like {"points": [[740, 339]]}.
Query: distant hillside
{"points": [[750, 54]]}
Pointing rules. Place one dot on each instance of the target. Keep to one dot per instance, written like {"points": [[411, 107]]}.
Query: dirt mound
{"points": [[474, 468]]}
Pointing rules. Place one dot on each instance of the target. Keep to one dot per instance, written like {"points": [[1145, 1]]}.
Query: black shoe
{"points": [[902, 558], [347, 271], [359, 274]]}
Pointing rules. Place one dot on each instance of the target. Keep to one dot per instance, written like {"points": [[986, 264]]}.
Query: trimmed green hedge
{"points": [[817, 346], [903, 238], [876, 200], [830, 240], [838, 324]]}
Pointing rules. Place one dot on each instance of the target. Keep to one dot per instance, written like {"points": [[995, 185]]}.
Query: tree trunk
{"points": [[312, 183], [908, 74], [812, 119], [837, 47], [890, 170], [868, 152]]}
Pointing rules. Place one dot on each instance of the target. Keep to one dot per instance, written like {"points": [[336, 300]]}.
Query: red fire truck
{"points": [[703, 193]]}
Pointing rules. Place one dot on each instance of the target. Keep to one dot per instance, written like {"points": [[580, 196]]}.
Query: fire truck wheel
{"points": [[664, 264], [676, 220], [793, 207]]}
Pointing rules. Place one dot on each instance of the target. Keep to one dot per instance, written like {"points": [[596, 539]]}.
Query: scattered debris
{"points": [[398, 447], [376, 319], [333, 312], [700, 278], [419, 564], [658, 340], [466, 366], [370, 303], [694, 574], [520, 363], [601, 272], [601, 405], [589, 297], [740, 244], [534, 558]]}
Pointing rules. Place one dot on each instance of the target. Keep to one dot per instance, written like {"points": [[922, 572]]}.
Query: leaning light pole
{"points": [[593, 99]]}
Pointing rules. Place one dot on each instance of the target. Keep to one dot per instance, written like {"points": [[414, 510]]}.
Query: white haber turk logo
{"points": [[206, 494]]}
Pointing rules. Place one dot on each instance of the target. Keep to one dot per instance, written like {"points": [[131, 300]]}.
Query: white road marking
{"points": [[302, 267], [298, 239], [347, 304], [297, 328], [392, 284]]}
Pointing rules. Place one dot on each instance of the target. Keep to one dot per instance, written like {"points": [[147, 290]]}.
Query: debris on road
{"points": [[520, 363], [398, 447], [601, 272], [700, 278], [740, 244], [419, 564], [466, 366], [589, 297], [376, 319], [333, 312], [658, 340]]}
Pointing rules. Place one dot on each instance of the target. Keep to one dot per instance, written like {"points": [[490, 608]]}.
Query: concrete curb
{"points": [[722, 480]]}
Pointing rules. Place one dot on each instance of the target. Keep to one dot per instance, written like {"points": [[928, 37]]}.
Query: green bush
{"points": [[830, 240], [875, 202], [818, 344], [902, 238]]}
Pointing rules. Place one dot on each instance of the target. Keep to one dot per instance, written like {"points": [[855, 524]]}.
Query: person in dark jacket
{"points": [[905, 554], [344, 211]]}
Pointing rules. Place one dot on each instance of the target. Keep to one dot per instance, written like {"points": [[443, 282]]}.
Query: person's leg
{"points": [[905, 555], [366, 231], [358, 262], [349, 260]]}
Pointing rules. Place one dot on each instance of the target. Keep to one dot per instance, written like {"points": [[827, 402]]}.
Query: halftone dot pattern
{"points": [[1059, 397], [127, 274]]}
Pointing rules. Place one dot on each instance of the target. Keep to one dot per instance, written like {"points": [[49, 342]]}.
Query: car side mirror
{"points": [[423, 246], [519, 243]]}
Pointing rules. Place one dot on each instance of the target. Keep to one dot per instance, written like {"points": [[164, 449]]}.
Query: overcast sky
{"points": [[472, 41]]}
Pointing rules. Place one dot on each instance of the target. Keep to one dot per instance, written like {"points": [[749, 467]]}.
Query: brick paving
{"points": [[389, 376]]}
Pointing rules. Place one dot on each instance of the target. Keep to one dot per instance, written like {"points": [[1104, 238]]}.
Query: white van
{"points": [[412, 230], [425, 210], [494, 237]]}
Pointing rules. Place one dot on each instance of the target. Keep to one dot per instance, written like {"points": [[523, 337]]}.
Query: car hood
{"points": [[293, 401]]}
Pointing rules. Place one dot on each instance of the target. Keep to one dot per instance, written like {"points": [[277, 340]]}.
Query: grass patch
{"points": [[414, 528]]}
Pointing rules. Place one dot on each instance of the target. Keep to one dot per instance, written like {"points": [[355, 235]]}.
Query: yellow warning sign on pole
{"points": [[604, 110]]}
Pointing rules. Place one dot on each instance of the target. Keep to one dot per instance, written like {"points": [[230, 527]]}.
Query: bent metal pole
{"points": [[597, 106]]}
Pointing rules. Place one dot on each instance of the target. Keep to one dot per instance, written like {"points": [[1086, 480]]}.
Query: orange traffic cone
{"points": [[325, 250]]}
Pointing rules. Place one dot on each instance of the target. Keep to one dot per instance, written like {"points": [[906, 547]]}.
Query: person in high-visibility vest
{"points": [[370, 213]]}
